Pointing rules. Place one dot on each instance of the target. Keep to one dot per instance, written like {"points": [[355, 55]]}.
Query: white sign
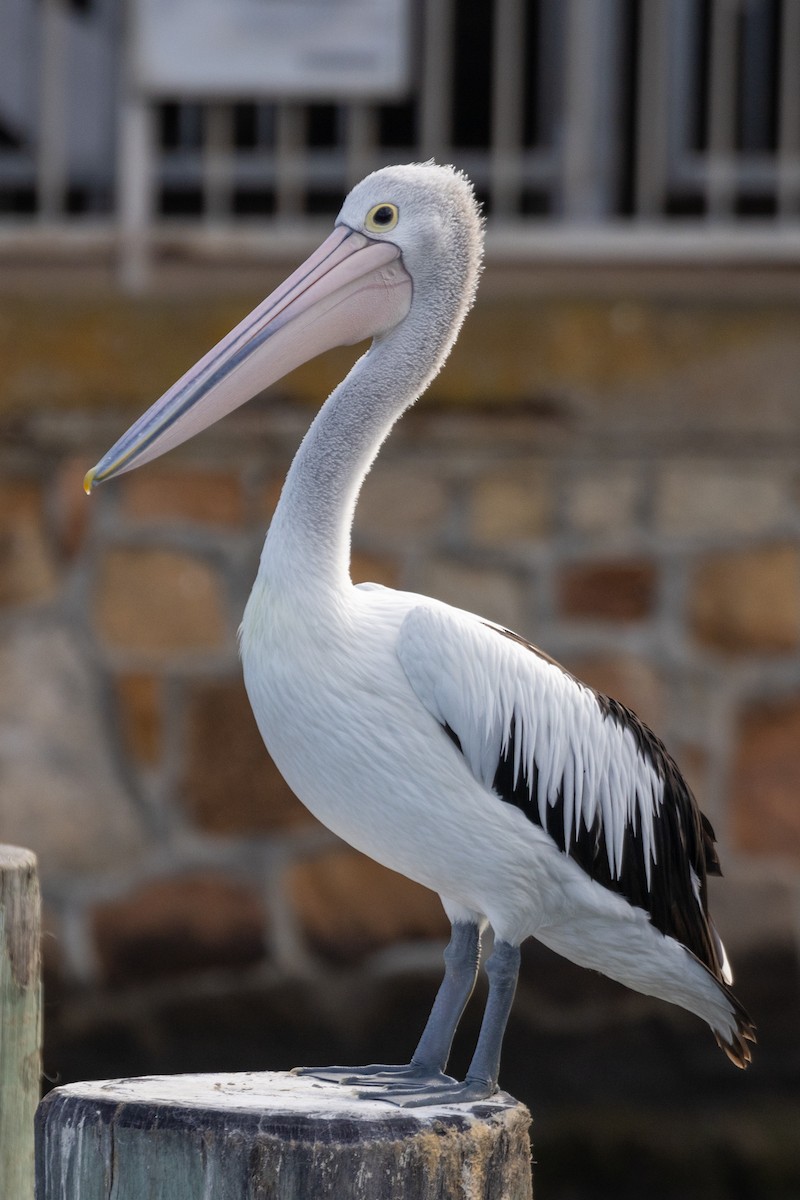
{"points": [[272, 49]]}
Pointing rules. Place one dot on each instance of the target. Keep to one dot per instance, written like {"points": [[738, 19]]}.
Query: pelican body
{"points": [[444, 746]]}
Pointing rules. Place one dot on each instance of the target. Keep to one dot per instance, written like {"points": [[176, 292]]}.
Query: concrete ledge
{"points": [[70, 340]]}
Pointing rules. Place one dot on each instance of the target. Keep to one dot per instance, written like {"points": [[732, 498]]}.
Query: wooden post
{"points": [[20, 1019], [272, 1136]]}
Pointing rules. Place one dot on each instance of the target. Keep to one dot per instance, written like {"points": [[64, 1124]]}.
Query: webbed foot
{"points": [[451, 1093], [380, 1075]]}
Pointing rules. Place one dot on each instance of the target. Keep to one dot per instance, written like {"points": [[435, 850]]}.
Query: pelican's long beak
{"points": [[350, 289]]}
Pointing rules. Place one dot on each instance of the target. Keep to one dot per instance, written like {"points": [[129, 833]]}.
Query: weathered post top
{"points": [[273, 1136]]}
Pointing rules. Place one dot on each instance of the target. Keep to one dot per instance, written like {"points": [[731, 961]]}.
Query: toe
{"points": [[456, 1093]]}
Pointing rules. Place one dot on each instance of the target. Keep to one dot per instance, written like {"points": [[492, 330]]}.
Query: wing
{"points": [[579, 765]]}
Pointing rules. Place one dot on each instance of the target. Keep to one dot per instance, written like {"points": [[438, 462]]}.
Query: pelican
{"points": [[443, 745]]}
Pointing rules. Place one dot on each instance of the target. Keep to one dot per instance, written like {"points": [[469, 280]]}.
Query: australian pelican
{"points": [[439, 743]]}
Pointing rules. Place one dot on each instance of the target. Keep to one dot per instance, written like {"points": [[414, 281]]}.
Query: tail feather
{"points": [[735, 1040], [737, 1048]]}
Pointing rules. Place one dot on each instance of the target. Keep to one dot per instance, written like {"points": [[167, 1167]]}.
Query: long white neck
{"points": [[307, 551], [308, 544]]}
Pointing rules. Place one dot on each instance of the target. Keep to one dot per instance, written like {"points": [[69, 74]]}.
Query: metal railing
{"points": [[590, 127]]}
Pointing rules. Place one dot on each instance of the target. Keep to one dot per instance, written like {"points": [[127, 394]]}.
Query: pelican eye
{"points": [[382, 217]]}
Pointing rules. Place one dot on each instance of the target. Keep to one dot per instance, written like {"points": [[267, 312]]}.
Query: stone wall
{"points": [[609, 465]]}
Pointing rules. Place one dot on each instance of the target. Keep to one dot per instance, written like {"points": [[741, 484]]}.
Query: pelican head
{"points": [[406, 248]]}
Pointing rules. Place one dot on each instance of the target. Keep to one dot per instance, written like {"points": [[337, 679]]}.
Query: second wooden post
{"points": [[20, 1019]]}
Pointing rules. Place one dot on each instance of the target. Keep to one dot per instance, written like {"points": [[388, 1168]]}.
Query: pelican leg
{"points": [[426, 1068], [481, 1081]]}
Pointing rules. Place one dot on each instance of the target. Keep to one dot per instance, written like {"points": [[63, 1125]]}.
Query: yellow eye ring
{"points": [[382, 217]]}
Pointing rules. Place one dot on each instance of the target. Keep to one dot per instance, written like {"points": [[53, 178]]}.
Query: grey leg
{"points": [[426, 1069], [481, 1081], [461, 959]]}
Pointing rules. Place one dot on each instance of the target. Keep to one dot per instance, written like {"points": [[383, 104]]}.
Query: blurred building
{"points": [[665, 126], [609, 464]]}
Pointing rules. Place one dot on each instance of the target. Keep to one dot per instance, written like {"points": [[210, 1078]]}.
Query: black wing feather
{"points": [[676, 898]]}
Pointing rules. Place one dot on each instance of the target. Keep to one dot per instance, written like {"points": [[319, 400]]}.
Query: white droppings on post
{"points": [[258, 1090]]}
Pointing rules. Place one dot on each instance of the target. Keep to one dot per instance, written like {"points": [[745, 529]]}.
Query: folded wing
{"points": [[578, 764]]}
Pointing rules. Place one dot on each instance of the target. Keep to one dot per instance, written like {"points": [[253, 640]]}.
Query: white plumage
{"points": [[439, 743]]}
